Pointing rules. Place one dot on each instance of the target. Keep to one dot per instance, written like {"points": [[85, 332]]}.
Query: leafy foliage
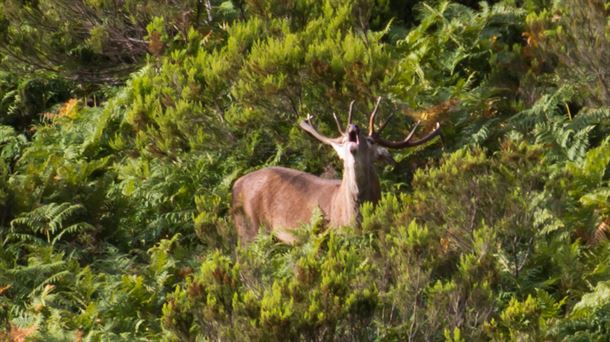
{"points": [[93, 41], [114, 204]]}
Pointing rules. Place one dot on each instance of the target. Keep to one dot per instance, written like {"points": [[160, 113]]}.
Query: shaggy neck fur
{"points": [[360, 184]]}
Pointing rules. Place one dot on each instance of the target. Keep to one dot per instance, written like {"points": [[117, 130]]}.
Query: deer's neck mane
{"points": [[360, 184]]}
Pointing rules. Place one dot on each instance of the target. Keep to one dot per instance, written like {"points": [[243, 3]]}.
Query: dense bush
{"points": [[94, 42], [114, 215]]}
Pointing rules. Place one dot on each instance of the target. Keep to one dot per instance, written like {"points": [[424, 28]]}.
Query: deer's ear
{"points": [[382, 154]]}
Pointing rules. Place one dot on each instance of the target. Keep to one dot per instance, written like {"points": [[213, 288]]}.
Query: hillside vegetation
{"points": [[123, 125]]}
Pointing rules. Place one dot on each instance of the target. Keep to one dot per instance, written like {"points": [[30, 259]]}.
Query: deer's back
{"points": [[279, 199]]}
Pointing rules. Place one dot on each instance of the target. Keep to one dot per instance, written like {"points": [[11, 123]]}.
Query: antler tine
{"points": [[338, 123], [308, 127], [410, 135], [349, 115], [307, 121], [372, 118], [407, 141], [385, 123]]}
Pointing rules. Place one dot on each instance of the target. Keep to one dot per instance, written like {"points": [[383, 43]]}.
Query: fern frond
{"points": [[590, 117], [57, 214], [484, 132], [52, 279], [75, 228], [37, 269], [23, 237], [52, 220]]}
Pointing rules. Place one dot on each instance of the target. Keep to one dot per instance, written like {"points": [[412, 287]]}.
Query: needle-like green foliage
{"points": [[123, 126]]}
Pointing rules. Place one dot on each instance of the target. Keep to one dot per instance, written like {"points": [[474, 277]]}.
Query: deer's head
{"points": [[358, 149]]}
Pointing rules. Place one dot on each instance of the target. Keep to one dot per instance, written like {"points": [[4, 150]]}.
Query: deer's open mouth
{"points": [[352, 134], [353, 140], [353, 137]]}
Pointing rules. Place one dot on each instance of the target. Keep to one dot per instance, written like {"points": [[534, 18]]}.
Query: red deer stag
{"points": [[281, 199]]}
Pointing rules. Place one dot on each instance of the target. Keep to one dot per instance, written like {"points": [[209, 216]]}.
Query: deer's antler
{"points": [[406, 142]]}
